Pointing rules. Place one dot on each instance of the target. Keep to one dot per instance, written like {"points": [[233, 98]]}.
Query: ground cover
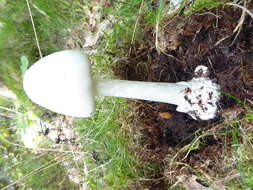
{"points": [[211, 38], [139, 145]]}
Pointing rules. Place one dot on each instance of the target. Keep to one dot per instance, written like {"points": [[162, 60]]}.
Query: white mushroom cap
{"points": [[69, 91], [201, 96]]}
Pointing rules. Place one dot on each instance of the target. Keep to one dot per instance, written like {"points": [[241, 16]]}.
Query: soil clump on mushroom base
{"points": [[205, 38]]}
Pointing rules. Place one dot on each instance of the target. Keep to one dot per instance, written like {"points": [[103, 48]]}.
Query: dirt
{"points": [[206, 38]]}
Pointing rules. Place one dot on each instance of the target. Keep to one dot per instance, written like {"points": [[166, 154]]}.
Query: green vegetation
{"points": [[128, 26], [242, 136], [112, 163], [206, 4], [23, 169], [52, 20], [110, 160], [198, 5], [20, 167]]}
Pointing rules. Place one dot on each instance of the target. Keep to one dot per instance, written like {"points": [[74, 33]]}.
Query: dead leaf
{"points": [[165, 115]]}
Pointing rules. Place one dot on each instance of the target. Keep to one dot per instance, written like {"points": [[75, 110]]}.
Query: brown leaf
{"points": [[165, 115]]}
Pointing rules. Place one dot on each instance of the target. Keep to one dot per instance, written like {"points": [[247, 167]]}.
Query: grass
{"points": [[17, 39], [110, 162], [123, 33], [199, 5], [242, 152], [120, 38], [20, 167], [240, 158], [236, 155], [132, 18], [206, 4], [113, 164]]}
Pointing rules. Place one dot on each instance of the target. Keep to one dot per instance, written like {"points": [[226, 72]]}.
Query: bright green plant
{"points": [[199, 5], [24, 64]]}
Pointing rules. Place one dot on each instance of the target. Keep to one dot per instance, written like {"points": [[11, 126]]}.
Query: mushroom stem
{"points": [[197, 97], [171, 93]]}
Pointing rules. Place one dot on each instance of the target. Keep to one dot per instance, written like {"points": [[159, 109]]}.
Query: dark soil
{"points": [[205, 38]]}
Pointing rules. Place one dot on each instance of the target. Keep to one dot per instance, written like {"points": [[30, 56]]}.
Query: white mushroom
{"points": [[62, 82]]}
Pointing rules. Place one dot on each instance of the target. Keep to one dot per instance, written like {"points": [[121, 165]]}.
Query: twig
{"points": [[158, 17], [6, 93], [45, 149], [34, 29], [239, 25], [39, 10], [221, 40], [7, 109], [137, 20], [243, 8], [136, 24], [156, 179], [43, 167], [6, 115]]}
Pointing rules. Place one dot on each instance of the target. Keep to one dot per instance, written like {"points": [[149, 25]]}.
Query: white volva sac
{"points": [[62, 82]]}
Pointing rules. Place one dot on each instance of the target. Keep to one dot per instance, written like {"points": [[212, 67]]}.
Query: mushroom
{"points": [[62, 82]]}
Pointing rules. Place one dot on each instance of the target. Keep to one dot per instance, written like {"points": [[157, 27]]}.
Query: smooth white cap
{"points": [[62, 82]]}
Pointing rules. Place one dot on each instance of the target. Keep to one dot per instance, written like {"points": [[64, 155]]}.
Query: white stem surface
{"points": [[171, 93], [197, 97]]}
